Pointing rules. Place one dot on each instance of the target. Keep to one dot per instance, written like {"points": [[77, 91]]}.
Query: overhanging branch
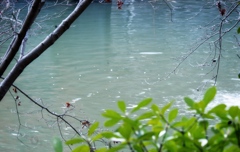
{"points": [[38, 50], [12, 51]]}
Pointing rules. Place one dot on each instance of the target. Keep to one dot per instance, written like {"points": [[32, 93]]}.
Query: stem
{"points": [[130, 147], [165, 135]]}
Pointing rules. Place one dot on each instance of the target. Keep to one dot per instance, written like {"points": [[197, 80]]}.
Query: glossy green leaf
{"points": [[122, 106], [57, 145], [109, 134], [130, 121], [233, 111], [172, 115], [104, 149], [207, 115], [191, 121], [189, 102], [220, 111], [166, 107], [125, 130], [171, 146], [209, 95], [146, 136], [74, 141], [111, 122], [154, 121], [220, 107], [198, 132], [97, 137], [179, 124], [204, 124], [92, 128], [146, 115], [185, 123], [142, 104], [222, 124], [158, 128], [138, 148], [155, 108], [232, 148], [82, 148], [200, 106], [111, 114]]}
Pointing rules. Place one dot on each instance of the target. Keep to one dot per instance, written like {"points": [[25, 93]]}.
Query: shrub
{"points": [[160, 129]]}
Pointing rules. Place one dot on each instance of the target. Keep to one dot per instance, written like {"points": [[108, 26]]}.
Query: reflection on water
{"points": [[110, 55]]}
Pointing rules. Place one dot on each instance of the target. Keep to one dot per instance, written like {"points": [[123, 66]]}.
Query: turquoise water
{"points": [[109, 55]]}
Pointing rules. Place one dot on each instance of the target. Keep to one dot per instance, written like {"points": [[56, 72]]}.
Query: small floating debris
{"points": [[235, 79], [89, 95], [150, 53], [75, 100]]}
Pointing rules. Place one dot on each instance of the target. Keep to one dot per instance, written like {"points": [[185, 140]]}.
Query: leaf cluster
{"points": [[161, 129]]}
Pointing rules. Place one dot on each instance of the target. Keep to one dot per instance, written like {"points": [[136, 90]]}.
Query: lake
{"points": [[112, 54]]}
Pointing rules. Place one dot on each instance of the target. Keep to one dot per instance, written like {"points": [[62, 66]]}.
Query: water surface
{"points": [[109, 55]]}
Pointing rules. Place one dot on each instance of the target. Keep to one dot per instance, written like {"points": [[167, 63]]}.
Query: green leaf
{"points": [[208, 116], [108, 135], [154, 121], [146, 136], [111, 122], [198, 132], [104, 149], [146, 115], [57, 145], [179, 124], [171, 146], [220, 111], [167, 106], [74, 141], [92, 128], [130, 121], [172, 115], [138, 148], [189, 102], [111, 114], [204, 124], [122, 106], [97, 137], [82, 148], [185, 123], [125, 130], [200, 106], [221, 125], [142, 104], [155, 108], [209, 95], [234, 148], [233, 111], [157, 129], [220, 107], [238, 30]]}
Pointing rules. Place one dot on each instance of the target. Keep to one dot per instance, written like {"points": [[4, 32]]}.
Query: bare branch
{"points": [[38, 50], [35, 9]]}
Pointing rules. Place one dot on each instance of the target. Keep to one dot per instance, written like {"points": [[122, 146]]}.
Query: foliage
{"points": [[161, 129], [57, 145]]}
